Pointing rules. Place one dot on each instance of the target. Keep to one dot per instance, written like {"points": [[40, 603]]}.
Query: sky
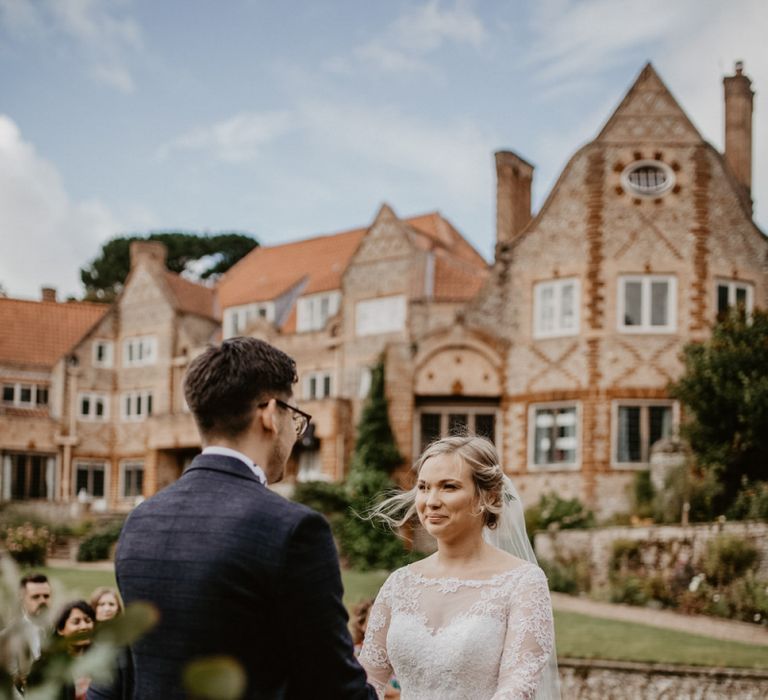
{"points": [[291, 119]]}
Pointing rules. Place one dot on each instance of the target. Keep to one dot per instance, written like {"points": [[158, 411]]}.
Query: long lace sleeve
{"points": [[373, 656], [529, 640]]}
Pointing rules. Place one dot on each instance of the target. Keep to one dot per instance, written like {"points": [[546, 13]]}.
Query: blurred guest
{"points": [[106, 603], [22, 640], [108, 606], [72, 637]]}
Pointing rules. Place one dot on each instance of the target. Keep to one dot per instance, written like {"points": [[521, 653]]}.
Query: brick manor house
{"points": [[560, 350]]}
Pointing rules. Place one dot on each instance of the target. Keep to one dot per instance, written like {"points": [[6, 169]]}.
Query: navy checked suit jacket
{"points": [[236, 569]]}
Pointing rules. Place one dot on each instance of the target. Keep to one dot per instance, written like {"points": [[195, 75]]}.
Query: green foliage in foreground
{"points": [[585, 637]]}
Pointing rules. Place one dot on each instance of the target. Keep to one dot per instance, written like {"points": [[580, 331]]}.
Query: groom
{"points": [[233, 568]]}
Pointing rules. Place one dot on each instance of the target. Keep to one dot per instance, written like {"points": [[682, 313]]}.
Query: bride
{"points": [[472, 621]]}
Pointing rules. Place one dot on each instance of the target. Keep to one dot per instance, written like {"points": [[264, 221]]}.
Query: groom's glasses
{"points": [[300, 418]]}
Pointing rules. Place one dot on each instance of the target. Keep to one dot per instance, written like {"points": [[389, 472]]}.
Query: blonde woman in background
{"points": [[473, 620], [107, 604]]}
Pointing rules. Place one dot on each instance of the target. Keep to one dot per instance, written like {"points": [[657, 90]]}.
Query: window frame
{"points": [[371, 303], [90, 465], [446, 409], [646, 281], [733, 285], [559, 331], [109, 353], [236, 318], [34, 402], [93, 397], [629, 187], [320, 376], [143, 341], [553, 466], [644, 405], [133, 465], [309, 310], [134, 395]]}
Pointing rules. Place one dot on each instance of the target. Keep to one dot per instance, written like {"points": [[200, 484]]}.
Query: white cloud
{"points": [[104, 36], [47, 236], [577, 39], [454, 155], [404, 45], [237, 139]]}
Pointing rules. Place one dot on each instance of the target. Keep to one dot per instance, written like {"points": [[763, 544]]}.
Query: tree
{"points": [[375, 447], [104, 276], [725, 392]]}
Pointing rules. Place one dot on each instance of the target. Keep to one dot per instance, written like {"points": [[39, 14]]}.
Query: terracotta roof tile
{"points": [[269, 271], [192, 298], [38, 333], [455, 280]]}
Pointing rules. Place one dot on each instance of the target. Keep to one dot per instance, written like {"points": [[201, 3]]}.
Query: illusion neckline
{"points": [[453, 580]]}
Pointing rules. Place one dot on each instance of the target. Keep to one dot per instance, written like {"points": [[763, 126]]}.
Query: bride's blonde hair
{"points": [[479, 454]]}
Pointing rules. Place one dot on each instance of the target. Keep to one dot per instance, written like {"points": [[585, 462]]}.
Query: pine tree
{"points": [[375, 447]]}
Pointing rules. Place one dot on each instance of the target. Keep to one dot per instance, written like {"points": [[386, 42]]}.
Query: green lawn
{"points": [[578, 636], [70, 584], [582, 636]]}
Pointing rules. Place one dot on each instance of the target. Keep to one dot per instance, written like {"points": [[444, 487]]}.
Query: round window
{"points": [[648, 178]]}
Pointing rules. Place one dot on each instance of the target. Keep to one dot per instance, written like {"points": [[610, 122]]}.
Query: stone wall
{"points": [[677, 544], [598, 680]]}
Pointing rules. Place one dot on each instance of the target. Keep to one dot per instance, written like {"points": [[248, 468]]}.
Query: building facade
{"points": [[645, 238], [561, 351]]}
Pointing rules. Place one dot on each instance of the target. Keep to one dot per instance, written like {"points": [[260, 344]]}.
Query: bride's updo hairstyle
{"points": [[478, 454]]}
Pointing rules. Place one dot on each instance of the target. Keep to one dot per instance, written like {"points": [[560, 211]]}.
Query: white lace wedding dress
{"points": [[458, 639]]}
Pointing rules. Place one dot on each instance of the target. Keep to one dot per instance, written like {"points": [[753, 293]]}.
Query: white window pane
{"points": [[567, 311], [633, 303], [659, 303], [567, 417], [544, 419], [566, 443], [383, 315]]}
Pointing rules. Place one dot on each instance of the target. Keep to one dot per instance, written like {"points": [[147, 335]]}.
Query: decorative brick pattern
{"points": [[701, 232]]}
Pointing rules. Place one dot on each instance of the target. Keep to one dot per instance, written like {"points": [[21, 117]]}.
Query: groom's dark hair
{"points": [[223, 385]]}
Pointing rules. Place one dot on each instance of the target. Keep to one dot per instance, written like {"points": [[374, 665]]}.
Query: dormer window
{"points": [[312, 312], [648, 178]]}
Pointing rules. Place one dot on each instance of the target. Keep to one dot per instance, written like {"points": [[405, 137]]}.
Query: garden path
{"points": [[727, 630]]}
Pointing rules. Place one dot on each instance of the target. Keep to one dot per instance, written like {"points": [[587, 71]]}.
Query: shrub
{"points": [[628, 589], [322, 496], [700, 488], [570, 575], [751, 502], [728, 558], [642, 494], [98, 545], [625, 555], [27, 543], [553, 510], [366, 544]]}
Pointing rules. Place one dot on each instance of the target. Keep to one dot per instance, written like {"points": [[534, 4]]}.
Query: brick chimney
{"points": [[738, 127], [48, 293], [149, 253], [513, 196]]}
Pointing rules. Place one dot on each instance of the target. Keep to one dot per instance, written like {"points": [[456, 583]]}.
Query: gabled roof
{"points": [[649, 112], [38, 333], [190, 297], [268, 272]]}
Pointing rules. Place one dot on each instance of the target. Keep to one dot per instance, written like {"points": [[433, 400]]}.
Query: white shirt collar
{"points": [[227, 452]]}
